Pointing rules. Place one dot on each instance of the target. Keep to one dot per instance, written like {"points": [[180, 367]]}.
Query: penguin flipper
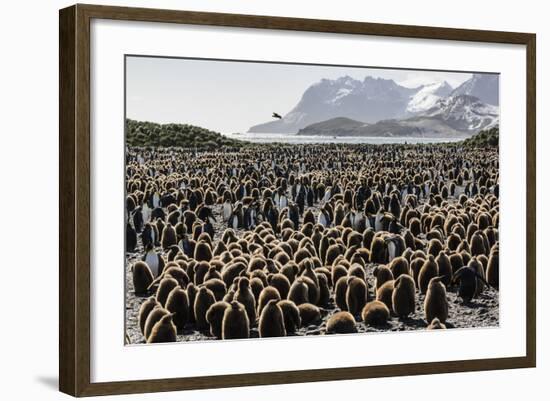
{"points": [[458, 274]]}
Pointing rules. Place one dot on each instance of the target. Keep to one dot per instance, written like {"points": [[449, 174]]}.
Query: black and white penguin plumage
{"points": [[149, 235], [154, 260], [187, 245], [236, 219], [208, 227], [294, 214], [137, 217], [227, 210], [324, 218], [249, 217]]}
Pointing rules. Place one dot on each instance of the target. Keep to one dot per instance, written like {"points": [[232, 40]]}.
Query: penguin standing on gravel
{"points": [[468, 280], [235, 220], [154, 260]]}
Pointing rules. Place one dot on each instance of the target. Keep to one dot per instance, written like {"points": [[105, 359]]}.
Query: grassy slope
{"points": [[483, 139], [143, 133]]}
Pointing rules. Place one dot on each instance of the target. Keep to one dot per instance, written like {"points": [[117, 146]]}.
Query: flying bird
{"points": [[275, 115]]}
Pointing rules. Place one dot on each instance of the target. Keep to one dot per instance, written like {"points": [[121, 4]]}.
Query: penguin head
{"points": [[167, 319], [235, 305], [244, 283], [272, 303]]}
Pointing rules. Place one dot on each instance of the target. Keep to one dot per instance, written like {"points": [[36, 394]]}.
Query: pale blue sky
{"points": [[229, 96]]}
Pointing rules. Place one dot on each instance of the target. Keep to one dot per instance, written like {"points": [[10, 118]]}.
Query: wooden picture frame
{"points": [[74, 199]]}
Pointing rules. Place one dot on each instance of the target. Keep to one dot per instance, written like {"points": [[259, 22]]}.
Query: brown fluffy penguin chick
{"points": [[192, 291], [213, 273], [271, 322], [434, 247], [178, 273], [167, 284], [309, 272], [261, 275], [340, 290], [324, 290], [309, 314], [399, 266], [341, 323], [477, 246], [299, 292], [154, 316], [214, 317], [375, 313], [416, 264], [203, 252], [333, 252], [404, 296], [427, 272], [164, 331], [142, 277], [312, 287], [456, 261], [232, 270], [385, 292], [203, 301], [200, 270], [229, 296], [245, 296], [356, 295], [235, 322], [444, 268], [382, 274], [436, 304], [378, 252], [337, 272], [279, 281], [291, 315], [217, 287], [146, 307], [177, 303], [475, 264], [268, 293], [358, 271], [302, 254], [435, 324], [256, 285], [169, 237]]}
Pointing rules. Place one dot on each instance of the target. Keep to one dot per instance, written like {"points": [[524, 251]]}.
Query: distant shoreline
{"points": [[338, 139]]}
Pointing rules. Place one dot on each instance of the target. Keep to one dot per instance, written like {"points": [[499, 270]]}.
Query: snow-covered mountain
{"points": [[465, 113], [483, 86], [375, 100], [427, 96], [370, 100]]}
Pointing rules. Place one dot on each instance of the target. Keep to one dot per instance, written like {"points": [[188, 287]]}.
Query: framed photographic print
{"points": [[235, 186]]}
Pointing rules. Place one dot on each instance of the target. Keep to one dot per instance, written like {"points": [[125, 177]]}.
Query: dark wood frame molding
{"points": [[74, 198]]}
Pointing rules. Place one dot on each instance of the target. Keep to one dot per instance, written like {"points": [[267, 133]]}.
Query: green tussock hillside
{"points": [[483, 139], [144, 133]]}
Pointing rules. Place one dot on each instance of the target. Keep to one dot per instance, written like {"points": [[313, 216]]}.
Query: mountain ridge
{"points": [[455, 116], [374, 100]]}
